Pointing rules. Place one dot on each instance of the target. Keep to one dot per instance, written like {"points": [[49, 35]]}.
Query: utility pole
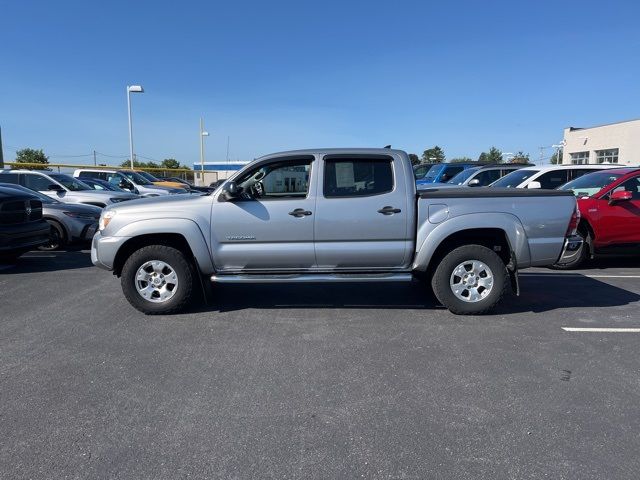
{"points": [[227, 148], [1, 154], [203, 134], [95, 163], [541, 155]]}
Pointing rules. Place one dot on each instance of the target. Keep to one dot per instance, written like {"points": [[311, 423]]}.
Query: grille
{"points": [[20, 211]]}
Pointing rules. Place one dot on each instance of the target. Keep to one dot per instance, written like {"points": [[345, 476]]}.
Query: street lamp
{"points": [[203, 134], [131, 89]]}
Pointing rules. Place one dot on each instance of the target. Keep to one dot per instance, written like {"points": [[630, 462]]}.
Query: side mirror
{"points": [[55, 188], [534, 185], [620, 196], [124, 185], [474, 183], [230, 190]]}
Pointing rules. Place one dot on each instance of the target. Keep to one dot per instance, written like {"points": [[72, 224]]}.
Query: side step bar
{"points": [[313, 278]]}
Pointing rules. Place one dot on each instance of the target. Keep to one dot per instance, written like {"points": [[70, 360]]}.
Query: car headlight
{"points": [[83, 216], [105, 218]]}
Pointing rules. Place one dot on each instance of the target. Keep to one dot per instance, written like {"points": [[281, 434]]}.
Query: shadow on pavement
{"points": [[540, 293], [36, 261]]}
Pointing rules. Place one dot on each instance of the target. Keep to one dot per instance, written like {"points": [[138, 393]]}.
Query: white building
{"points": [[610, 143], [210, 172]]}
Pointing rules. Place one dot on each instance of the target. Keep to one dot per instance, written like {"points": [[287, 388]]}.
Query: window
{"points": [[552, 180], [632, 185], [513, 179], [357, 177], [278, 180], [607, 156], [36, 182], [486, 177], [580, 158], [9, 178], [88, 174], [69, 182], [449, 172]]}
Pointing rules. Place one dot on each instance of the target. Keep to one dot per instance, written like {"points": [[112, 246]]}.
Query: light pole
{"points": [[202, 135], [131, 89]]}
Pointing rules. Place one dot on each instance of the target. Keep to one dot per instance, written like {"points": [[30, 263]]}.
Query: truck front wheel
{"points": [[157, 279], [471, 279]]}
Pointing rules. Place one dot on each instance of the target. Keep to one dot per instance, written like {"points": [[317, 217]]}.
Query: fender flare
{"points": [[506, 222], [181, 226]]}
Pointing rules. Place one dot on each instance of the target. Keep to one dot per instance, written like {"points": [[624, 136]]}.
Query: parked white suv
{"points": [[548, 176], [127, 180], [63, 187]]}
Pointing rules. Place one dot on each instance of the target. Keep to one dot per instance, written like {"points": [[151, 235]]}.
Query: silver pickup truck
{"points": [[334, 215]]}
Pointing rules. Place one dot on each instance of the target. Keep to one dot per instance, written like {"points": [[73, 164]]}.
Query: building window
{"points": [[607, 156], [580, 158]]}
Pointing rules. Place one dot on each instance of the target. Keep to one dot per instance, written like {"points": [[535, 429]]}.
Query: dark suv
{"points": [[21, 225]]}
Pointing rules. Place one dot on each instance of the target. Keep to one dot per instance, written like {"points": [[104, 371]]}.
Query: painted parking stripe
{"points": [[601, 329], [575, 275]]}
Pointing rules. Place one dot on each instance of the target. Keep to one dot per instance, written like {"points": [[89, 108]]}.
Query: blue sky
{"points": [[277, 75]]}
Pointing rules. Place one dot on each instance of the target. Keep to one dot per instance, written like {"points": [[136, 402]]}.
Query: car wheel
{"points": [[581, 259], [471, 279], [56, 238], [158, 279]]}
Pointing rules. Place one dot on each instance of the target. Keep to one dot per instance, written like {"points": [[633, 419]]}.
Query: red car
{"points": [[609, 204]]}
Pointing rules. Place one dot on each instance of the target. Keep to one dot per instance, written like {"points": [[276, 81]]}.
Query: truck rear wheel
{"points": [[157, 279], [471, 279]]}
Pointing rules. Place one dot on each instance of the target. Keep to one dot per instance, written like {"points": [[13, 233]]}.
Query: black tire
{"points": [[442, 276], [57, 238], [580, 261], [183, 269]]}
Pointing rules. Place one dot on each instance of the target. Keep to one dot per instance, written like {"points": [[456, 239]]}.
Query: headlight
{"points": [[105, 218], [83, 216]]}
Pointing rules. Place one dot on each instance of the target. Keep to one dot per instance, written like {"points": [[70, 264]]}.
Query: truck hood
{"points": [[164, 203]]}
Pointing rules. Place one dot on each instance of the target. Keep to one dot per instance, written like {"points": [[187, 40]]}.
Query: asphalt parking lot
{"points": [[317, 381]]}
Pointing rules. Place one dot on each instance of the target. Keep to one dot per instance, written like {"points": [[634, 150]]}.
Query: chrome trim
{"points": [[312, 278]]}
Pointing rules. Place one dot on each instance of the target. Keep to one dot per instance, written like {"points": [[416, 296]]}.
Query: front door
{"points": [[271, 227], [361, 219], [620, 222]]}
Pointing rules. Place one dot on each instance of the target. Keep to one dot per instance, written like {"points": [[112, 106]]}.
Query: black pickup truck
{"points": [[21, 225]]}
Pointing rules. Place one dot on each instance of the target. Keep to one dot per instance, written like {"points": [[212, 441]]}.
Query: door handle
{"points": [[388, 210], [300, 212]]}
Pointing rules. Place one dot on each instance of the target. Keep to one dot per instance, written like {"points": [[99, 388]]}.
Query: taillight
{"points": [[572, 229]]}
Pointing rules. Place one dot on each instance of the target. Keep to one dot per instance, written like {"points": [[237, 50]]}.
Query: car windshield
{"points": [[148, 176], [136, 178], [419, 171], [43, 198], [434, 172], [590, 184], [69, 182], [461, 177], [514, 179]]}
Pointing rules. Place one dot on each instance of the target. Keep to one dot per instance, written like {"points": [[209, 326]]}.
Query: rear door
{"points": [[361, 219]]}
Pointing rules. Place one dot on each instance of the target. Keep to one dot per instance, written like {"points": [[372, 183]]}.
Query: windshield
{"points": [[588, 185], [148, 176], [44, 198], [69, 182], [514, 179], [419, 171], [136, 178], [461, 177], [434, 172]]}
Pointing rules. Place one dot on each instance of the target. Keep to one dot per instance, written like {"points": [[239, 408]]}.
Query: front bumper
{"points": [[572, 249], [104, 250]]}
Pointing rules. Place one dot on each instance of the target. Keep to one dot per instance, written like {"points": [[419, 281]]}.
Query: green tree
{"points": [[520, 157], [171, 163], [494, 155], [415, 160], [460, 159], [30, 155], [433, 155], [556, 158]]}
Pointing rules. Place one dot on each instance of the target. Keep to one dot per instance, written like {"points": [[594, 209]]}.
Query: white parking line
{"points": [[601, 330], [536, 274]]}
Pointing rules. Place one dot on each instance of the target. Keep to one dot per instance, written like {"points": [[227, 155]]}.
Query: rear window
{"points": [[358, 177], [9, 178], [514, 179]]}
